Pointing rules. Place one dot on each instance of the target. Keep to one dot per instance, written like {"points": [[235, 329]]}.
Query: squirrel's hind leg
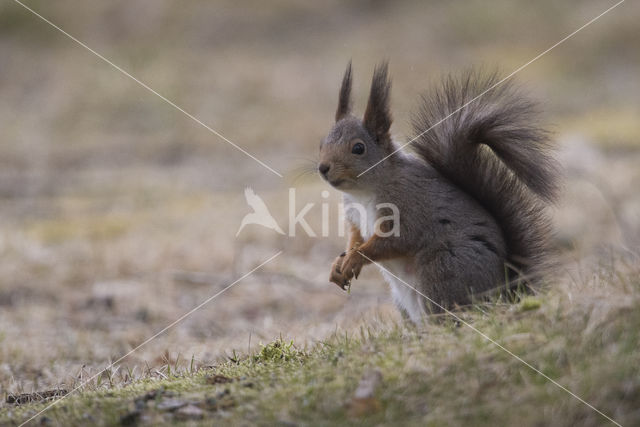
{"points": [[449, 277]]}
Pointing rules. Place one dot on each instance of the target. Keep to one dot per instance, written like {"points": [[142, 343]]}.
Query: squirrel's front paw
{"points": [[336, 275], [352, 264]]}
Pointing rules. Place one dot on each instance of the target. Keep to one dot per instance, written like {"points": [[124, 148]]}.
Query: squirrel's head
{"points": [[353, 145]]}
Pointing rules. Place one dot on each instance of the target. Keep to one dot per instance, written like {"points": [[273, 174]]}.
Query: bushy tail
{"points": [[493, 150]]}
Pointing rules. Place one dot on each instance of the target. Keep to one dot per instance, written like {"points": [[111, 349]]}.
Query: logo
{"points": [[260, 215], [365, 216]]}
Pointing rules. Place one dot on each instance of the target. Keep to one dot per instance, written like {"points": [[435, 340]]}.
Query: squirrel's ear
{"points": [[377, 117], [344, 102]]}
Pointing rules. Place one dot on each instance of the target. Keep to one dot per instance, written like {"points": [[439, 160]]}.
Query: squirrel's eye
{"points": [[358, 148]]}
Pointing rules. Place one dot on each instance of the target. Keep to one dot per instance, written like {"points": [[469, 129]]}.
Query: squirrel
{"points": [[472, 195]]}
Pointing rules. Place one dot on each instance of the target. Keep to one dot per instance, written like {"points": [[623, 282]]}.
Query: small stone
{"points": [[364, 401], [368, 384], [171, 404], [190, 412]]}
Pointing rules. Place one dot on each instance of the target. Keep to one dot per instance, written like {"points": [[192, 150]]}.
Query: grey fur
{"points": [[505, 178], [471, 202], [377, 117]]}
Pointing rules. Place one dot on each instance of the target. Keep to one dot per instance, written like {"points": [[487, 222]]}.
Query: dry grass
{"points": [[439, 373]]}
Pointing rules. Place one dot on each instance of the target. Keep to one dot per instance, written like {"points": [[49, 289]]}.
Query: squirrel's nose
{"points": [[324, 168]]}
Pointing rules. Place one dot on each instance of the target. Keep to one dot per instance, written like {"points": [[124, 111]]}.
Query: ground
{"points": [[443, 373], [119, 213]]}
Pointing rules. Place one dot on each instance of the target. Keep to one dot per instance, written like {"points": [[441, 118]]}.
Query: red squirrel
{"points": [[472, 191]]}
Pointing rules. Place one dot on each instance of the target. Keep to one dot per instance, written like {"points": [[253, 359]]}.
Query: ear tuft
{"points": [[344, 102], [377, 117]]}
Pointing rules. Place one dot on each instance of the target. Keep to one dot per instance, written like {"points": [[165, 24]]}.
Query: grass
{"points": [[441, 373]]}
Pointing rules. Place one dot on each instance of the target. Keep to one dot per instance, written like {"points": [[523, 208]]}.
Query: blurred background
{"points": [[119, 213]]}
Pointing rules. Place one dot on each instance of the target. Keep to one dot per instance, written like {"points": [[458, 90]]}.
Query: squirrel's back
{"points": [[481, 135]]}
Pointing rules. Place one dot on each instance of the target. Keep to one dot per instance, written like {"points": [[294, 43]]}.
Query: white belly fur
{"points": [[401, 290], [403, 296]]}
